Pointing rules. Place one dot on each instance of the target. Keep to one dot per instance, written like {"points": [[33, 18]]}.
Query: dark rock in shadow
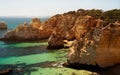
{"points": [[114, 70]]}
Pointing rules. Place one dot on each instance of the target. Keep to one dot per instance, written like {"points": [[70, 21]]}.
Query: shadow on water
{"points": [[22, 51], [8, 49], [16, 69], [114, 70], [23, 68]]}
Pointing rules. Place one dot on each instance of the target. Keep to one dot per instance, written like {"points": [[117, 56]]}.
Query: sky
{"points": [[29, 8]]}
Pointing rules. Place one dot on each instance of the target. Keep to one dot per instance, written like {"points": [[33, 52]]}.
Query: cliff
{"points": [[95, 44], [62, 31], [36, 30], [96, 41]]}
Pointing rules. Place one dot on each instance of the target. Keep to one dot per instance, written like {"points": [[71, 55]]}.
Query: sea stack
{"points": [[3, 25]]}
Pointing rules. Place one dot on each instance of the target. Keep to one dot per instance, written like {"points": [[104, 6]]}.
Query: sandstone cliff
{"points": [[108, 50], [95, 44], [36, 30], [62, 31], [95, 40]]}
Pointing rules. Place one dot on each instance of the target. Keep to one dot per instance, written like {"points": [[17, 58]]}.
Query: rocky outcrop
{"points": [[62, 31], [3, 25], [36, 23], [95, 44], [23, 32], [107, 52], [33, 31]]}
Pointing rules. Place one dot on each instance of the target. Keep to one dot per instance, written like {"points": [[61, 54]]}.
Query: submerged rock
{"points": [[3, 25]]}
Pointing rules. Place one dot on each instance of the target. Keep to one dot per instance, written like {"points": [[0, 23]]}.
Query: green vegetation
{"points": [[109, 16], [112, 15]]}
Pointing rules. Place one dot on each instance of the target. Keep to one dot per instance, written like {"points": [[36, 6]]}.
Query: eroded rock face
{"points": [[33, 31], [108, 50], [23, 32], [62, 31], [36, 23], [55, 41], [3, 25], [95, 44]]}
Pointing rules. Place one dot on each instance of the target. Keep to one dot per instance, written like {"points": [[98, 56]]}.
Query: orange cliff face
{"points": [[62, 31], [97, 46], [36, 23], [95, 42], [108, 50], [36, 30]]}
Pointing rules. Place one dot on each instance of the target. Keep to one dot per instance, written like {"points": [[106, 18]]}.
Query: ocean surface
{"points": [[32, 58]]}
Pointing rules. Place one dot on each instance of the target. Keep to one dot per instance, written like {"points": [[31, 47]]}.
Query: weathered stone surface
{"points": [[55, 41], [107, 52], [36, 23], [35, 31], [23, 32], [62, 31], [95, 44], [3, 25]]}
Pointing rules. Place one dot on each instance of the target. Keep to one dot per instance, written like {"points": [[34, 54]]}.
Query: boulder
{"points": [[3, 25]]}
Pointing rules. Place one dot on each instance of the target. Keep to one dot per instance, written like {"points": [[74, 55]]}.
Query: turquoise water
{"points": [[13, 22], [32, 58]]}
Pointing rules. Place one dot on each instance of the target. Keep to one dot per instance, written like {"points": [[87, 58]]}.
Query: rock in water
{"points": [[33, 31], [3, 25]]}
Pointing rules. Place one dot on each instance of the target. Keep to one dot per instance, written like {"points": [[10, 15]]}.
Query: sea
{"points": [[32, 58]]}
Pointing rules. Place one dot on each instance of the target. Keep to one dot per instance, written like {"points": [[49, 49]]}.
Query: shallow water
{"points": [[32, 58]]}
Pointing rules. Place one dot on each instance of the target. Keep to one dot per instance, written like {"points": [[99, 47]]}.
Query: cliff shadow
{"points": [[114, 70]]}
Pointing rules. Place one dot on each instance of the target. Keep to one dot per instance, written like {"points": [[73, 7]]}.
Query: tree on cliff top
{"points": [[112, 15], [96, 13]]}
